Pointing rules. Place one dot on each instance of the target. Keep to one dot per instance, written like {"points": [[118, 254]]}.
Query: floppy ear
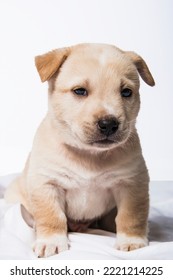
{"points": [[47, 64], [142, 68]]}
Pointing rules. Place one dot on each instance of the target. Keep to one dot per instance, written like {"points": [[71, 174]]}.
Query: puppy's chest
{"points": [[84, 179], [88, 204], [71, 178], [87, 196]]}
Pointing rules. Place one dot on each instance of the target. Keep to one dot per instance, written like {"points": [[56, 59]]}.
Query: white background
{"points": [[29, 28]]}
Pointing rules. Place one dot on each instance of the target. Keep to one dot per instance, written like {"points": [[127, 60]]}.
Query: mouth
{"points": [[104, 142]]}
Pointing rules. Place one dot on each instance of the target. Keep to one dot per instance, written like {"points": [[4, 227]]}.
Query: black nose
{"points": [[108, 126]]}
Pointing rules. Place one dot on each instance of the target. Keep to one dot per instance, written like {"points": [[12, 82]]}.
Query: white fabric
{"points": [[16, 237]]}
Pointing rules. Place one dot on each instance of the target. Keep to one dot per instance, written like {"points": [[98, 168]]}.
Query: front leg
{"points": [[131, 220], [48, 205]]}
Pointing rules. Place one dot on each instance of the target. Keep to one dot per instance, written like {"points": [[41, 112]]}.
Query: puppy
{"points": [[86, 158]]}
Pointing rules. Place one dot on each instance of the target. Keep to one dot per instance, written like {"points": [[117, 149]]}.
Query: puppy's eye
{"points": [[126, 92], [80, 91]]}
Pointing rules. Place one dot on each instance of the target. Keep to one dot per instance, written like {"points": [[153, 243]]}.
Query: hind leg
{"points": [[12, 194], [16, 192]]}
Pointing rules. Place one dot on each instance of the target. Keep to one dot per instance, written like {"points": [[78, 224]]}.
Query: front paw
{"points": [[128, 243], [50, 245]]}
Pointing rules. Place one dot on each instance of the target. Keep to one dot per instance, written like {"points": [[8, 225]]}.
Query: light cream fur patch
{"points": [[128, 243], [48, 246]]}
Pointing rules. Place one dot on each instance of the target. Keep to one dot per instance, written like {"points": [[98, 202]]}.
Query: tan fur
{"points": [[70, 174], [48, 64]]}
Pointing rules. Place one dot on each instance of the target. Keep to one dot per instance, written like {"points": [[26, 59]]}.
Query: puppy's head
{"points": [[93, 93]]}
